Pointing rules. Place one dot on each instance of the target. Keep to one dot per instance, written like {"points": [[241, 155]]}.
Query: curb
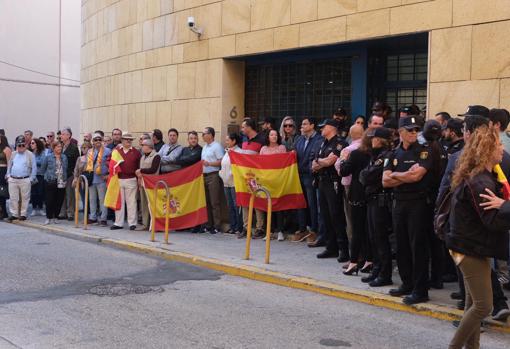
{"points": [[281, 279]]}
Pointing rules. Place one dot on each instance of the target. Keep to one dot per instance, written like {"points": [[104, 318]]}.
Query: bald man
{"points": [[355, 134]]}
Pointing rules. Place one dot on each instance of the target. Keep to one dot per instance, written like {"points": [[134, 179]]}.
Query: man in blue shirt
{"points": [[21, 172]]}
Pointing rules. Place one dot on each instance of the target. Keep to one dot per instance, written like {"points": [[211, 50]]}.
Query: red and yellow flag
{"points": [[503, 181], [112, 197], [187, 197], [278, 173]]}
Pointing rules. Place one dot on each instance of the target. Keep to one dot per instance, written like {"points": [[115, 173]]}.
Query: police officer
{"points": [[340, 115], [405, 171], [378, 208], [323, 167], [453, 135]]}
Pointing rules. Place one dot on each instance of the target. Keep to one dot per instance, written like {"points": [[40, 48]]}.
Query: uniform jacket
{"points": [[371, 176], [473, 230]]}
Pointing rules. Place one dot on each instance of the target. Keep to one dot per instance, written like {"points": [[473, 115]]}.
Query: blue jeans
{"points": [[37, 193], [234, 212], [311, 199], [96, 194]]}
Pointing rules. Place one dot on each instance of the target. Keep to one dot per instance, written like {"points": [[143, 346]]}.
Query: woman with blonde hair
{"points": [[479, 224], [288, 133]]}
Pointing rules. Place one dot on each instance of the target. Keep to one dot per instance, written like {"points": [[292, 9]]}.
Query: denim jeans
{"points": [[37, 193], [234, 213], [311, 199], [97, 192]]}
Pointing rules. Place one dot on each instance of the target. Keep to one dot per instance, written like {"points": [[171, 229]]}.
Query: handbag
{"points": [[4, 191]]}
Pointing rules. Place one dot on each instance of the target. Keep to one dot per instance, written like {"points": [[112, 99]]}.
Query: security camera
{"points": [[191, 22], [192, 26]]}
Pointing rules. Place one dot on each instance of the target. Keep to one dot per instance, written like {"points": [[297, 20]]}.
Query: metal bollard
{"points": [[154, 210], [268, 223], [77, 202]]}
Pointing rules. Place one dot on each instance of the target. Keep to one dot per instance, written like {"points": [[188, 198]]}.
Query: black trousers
{"points": [[332, 213], [411, 229], [3, 207], [360, 244], [379, 225], [54, 199]]}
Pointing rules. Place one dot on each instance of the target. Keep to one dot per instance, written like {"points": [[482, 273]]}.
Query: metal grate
{"points": [[312, 88]]}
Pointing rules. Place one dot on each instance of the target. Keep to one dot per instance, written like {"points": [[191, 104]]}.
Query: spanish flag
{"points": [[278, 173], [503, 181], [187, 197], [112, 197]]}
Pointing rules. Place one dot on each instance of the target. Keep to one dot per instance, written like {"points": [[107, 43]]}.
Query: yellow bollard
{"points": [[268, 224], [77, 202], [154, 210]]}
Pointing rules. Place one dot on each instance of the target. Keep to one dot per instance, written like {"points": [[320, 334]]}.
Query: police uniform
{"points": [[409, 217], [331, 208], [379, 202], [455, 147]]}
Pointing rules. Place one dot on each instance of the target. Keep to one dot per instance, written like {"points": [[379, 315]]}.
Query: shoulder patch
{"points": [[424, 155], [339, 146], [380, 161], [395, 162]]}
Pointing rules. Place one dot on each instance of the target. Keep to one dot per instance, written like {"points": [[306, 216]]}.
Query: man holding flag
{"points": [[122, 183]]}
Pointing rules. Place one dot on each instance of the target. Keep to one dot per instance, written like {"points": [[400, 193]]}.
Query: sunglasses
{"points": [[414, 130], [32, 142], [97, 139], [21, 145], [288, 125], [49, 136]]}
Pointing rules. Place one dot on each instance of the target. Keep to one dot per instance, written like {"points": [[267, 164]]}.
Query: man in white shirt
{"points": [[212, 153]]}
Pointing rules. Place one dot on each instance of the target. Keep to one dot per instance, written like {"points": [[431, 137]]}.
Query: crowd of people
{"points": [[372, 187]]}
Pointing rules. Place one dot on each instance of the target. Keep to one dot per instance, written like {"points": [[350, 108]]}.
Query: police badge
{"points": [[424, 155]]}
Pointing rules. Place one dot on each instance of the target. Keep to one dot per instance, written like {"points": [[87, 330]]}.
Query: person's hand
{"points": [[315, 166], [493, 201], [73, 184], [206, 163], [138, 173], [344, 155]]}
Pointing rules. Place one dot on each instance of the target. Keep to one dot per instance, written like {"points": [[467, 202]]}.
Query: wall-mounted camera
{"points": [[193, 26]]}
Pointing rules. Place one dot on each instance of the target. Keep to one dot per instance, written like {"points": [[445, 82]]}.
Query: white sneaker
{"points": [[34, 213], [55, 221], [281, 237], [47, 221]]}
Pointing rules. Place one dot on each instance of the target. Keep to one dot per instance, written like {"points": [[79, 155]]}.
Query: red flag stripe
{"points": [[286, 202], [178, 177], [189, 220], [263, 162]]}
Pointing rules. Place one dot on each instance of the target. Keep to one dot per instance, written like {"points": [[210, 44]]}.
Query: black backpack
{"points": [[442, 216]]}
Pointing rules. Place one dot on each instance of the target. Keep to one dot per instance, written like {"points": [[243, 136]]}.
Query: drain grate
{"points": [[117, 290]]}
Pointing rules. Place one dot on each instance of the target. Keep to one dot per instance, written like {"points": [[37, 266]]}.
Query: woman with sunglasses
{"points": [[288, 133], [54, 167], [5, 156], [37, 193]]}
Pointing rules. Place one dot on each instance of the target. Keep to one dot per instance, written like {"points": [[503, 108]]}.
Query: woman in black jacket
{"points": [[378, 208], [356, 161], [479, 224]]}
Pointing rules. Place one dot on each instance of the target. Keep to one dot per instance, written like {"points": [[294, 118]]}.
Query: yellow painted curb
{"points": [[263, 275]]}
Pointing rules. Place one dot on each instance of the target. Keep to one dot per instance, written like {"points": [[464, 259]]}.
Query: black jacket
{"points": [[189, 156], [354, 164], [306, 155], [371, 176], [73, 153], [473, 230]]}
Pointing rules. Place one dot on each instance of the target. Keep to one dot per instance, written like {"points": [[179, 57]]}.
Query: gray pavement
{"points": [[287, 257], [63, 293]]}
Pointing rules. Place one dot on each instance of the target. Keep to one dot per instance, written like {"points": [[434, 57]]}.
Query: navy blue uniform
{"points": [[330, 202], [409, 217]]}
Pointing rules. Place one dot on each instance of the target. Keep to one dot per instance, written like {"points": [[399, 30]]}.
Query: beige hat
{"points": [[127, 135], [97, 135]]}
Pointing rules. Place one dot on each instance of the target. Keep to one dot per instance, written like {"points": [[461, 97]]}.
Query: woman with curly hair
{"points": [[479, 224]]}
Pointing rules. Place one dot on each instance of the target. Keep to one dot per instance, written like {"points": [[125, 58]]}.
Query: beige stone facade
{"points": [[143, 68]]}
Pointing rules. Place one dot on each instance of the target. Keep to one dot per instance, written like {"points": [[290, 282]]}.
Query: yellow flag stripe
{"points": [[185, 198], [279, 182]]}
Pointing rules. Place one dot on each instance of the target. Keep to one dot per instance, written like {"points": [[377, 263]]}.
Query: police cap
{"points": [[408, 122], [330, 122], [383, 132], [478, 110]]}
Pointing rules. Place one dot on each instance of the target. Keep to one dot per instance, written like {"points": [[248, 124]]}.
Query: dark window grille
{"points": [[312, 88]]}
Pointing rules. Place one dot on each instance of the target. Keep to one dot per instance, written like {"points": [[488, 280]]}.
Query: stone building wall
{"points": [[143, 68]]}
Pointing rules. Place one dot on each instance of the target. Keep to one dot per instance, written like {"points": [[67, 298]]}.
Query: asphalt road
{"points": [[62, 293]]}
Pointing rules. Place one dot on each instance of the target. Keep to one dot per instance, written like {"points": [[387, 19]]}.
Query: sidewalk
{"points": [[292, 265]]}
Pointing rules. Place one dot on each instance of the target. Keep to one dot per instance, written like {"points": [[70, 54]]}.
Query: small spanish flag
{"points": [[187, 197], [503, 181], [112, 197], [277, 173]]}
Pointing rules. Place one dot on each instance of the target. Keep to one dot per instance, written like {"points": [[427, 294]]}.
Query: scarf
{"points": [[90, 161]]}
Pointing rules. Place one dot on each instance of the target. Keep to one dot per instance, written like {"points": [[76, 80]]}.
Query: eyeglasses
{"points": [[288, 125], [50, 136], [20, 145]]}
